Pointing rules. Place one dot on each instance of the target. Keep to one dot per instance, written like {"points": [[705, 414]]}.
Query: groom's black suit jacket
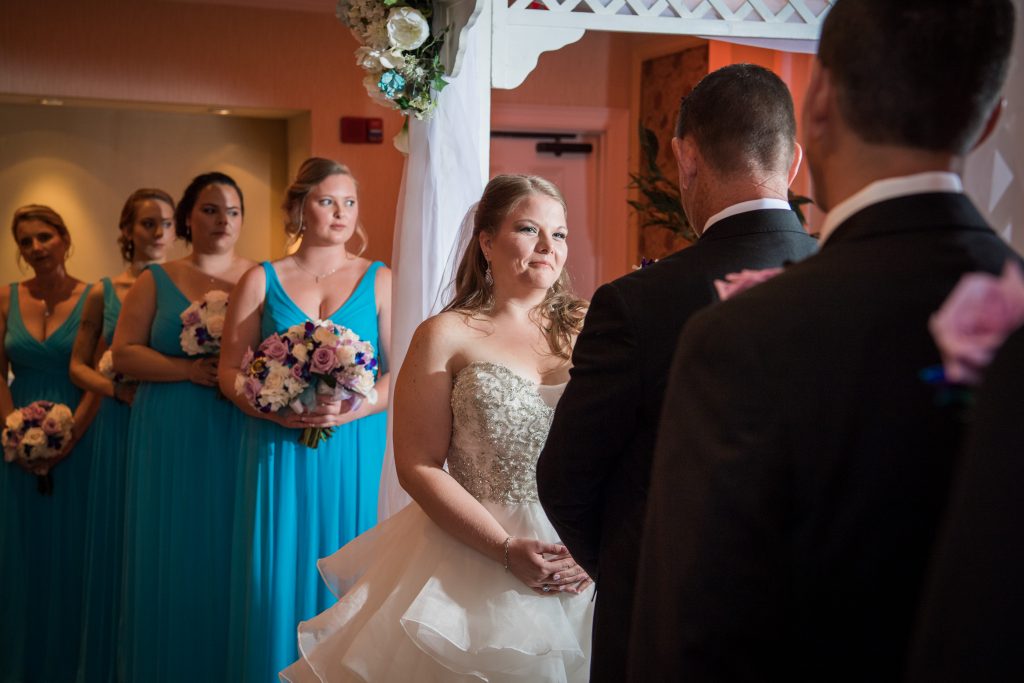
{"points": [[593, 472], [802, 465]]}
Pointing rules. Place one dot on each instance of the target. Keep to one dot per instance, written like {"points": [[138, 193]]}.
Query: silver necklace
{"points": [[317, 276]]}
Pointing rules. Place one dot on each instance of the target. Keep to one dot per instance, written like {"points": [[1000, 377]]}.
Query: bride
{"points": [[469, 582]]}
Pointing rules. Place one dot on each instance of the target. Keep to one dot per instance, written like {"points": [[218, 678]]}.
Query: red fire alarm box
{"points": [[358, 130]]}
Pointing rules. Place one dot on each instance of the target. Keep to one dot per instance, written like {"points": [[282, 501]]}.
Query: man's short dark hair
{"points": [[917, 73], [741, 117]]}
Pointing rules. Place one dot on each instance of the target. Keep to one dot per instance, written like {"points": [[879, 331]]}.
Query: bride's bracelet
{"points": [[507, 565]]}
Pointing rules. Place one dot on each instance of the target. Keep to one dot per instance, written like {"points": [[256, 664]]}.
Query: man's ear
{"points": [[817, 107], [685, 151], [991, 123], [794, 168]]}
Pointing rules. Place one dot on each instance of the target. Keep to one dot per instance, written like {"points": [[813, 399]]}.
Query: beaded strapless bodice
{"points": [[499, 424]]}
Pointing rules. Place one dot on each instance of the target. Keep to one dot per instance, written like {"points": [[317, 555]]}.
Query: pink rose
{"points": [[297, 371], [251, 389], [52, 426], [976, 318], [247, 358], [274, 348], [34, 412], [190, 318], [323, 361], [734, 283]]}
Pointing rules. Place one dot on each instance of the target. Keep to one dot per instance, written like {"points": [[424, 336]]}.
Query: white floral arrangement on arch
{"points": [[401, 57]]}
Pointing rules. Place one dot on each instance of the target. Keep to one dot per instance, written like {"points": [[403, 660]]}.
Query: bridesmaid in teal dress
{"points": [[182, 448], [296, 504], [41, 536], [147, 232]]}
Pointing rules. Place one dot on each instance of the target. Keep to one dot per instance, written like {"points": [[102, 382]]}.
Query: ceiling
{"points": [[318, 6]]}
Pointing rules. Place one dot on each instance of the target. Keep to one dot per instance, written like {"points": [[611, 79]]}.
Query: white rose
{"points": [[300, 352], [215, 325], [15, 420], [105, 366], [62, 414], [34, 438], [216, 299], [346, 355], [323, 335], [407, 29], [379, 60]]}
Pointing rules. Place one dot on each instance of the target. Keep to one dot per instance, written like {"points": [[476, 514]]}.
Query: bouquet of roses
{"points": [[202, 324], [290, 369], [37, 432]]}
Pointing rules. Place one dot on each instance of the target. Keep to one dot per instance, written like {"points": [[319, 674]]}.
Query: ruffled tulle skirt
{"points": [[419, 606]]}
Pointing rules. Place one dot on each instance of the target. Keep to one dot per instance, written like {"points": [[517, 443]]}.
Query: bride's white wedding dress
{"points": [[416, 606]]}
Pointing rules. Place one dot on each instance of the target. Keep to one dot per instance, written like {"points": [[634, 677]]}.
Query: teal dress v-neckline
{"points": [[298, 504], [42, 537], [182, 455]]}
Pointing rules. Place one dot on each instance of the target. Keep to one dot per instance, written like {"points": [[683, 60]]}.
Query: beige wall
{"points": [[158, 53], [84, 162]]}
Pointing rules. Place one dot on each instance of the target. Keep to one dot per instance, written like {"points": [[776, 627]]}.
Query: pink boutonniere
{"points": [[974, 321], [734, 283]]}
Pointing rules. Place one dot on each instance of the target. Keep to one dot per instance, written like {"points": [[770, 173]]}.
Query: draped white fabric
{"points": [[445, 173]]}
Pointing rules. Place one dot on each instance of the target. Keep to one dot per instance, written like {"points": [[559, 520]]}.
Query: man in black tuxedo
{"points": [[802, 465], [971, 627], [737, 154]]}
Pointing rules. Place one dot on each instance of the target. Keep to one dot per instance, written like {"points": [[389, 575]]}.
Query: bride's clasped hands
{"points": [[547, 568]]}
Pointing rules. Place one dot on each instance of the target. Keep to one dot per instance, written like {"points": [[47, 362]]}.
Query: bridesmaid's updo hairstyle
{"points": [[129, 213], [561, 313], [312, 172], [191, 193]]}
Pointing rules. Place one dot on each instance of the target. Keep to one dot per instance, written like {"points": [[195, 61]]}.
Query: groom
{"points": [[736, 153], [802, 465]]}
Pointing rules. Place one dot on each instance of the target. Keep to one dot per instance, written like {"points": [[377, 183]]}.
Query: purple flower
{"points": [[274, 348], [34, 412], [323, 361], [190, 317]]}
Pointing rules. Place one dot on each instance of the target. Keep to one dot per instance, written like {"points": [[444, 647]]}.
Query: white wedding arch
{"points": [[496, 44]]}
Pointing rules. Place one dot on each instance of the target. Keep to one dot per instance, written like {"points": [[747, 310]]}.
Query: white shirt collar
{"points": [[743, 207], [889, 188]]}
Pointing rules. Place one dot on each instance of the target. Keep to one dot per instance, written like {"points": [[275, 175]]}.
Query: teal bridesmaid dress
{"points": [[183, 448], [104, 525], [42, 537], [298, 504]]}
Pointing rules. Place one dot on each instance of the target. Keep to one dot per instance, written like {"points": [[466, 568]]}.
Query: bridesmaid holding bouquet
{"points": [[298, 504], [41, 536], [147, 232], [182, 446]]}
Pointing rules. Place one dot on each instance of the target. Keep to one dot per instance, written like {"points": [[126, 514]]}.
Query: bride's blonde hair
{"points": [[561, 313]]}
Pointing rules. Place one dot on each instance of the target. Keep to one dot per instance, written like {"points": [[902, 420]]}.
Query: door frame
{"points": [[610, 126]]}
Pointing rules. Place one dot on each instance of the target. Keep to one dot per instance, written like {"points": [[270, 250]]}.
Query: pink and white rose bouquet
{"points": [[36, 433], [202, 324], [288, 370]]}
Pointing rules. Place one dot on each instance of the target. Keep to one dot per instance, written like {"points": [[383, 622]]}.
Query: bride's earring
{"points": [[488, 278]]}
